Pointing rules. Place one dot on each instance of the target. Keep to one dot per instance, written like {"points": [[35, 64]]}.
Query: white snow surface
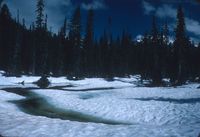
{"points": [[27, 79], [169, 112]]}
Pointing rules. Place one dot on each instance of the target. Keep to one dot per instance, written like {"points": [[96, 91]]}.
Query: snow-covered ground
{"points": [[147, 112]]}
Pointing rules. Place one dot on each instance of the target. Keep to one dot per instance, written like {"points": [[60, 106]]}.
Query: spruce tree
{"points": [[75, 28], [41, 34], [62, 49], [6, 37], [75, 41], [165, 33], [156, 66], [88, 43], [40, 14], [180, 49], [63, 30]]}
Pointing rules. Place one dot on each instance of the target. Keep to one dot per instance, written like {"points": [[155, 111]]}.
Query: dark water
{"points": [[35, 105]]}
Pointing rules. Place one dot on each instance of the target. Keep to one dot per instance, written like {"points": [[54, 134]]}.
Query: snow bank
{"points": [[151, 118], [95, 83], [169, 108], [16, 80], [156, 112], [27, 80], [124, 104]]}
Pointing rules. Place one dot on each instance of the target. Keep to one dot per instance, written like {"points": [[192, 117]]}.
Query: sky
{"points": [[115, 15]]}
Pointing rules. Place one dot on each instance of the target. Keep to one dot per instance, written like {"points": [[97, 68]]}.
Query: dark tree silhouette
{"points": [[156, 50], [40, 14], [180, 50], [36, 50], [75, 41], [88, 44], [41, 38]]}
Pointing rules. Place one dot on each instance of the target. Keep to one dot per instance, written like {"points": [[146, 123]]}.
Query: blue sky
{"points": [[132, 15]]}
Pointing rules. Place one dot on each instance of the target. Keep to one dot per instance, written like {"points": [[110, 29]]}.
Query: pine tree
{"points": [[75, 28], [41, 37], [165, 34], [6, 37], [180, 49], [164, 43], [62, 49], [143, 63], [180, 28], [89, 29], [88, 43], [16, 58], [40, 14], [75, 41], [45, 22], [156, 68], [63, 29]]}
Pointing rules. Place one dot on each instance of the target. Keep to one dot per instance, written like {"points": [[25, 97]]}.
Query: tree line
{"points": [[35, 50]]}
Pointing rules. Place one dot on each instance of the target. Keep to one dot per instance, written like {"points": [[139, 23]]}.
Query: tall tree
{"points": [[62, 49], [41, 35], [75, 28], [75, 41], [63, 30], [166, 33], [45, 22], [88, 43], [180, 49], [165, 48], [89, 29], [156, 71], [6, 36], [40, 14]]}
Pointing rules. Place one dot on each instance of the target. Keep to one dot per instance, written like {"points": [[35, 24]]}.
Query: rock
{"points": [[43, 82]]}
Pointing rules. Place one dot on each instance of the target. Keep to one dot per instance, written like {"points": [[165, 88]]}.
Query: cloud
{"points": [[148, 8], [56, 10], [193, 26], [96, 5], [166, 11]]}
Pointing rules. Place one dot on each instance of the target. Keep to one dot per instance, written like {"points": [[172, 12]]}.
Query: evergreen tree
{"points": [[6, 37], [40, 14], [180, 50], [75, 41], [88, 43], [62, 49], [75, 28], [156, 60], [89, 29], [63, 30], [45, 22], [39, 51], [165, 34], [165, 48], [143, 57], [41, 35]]}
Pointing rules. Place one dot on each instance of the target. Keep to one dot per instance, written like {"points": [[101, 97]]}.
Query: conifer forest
{"points": [[73, 51]]}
